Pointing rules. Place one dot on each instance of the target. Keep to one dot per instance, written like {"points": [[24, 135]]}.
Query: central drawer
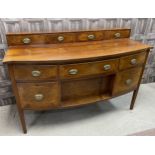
{"points": [[90, 68]]}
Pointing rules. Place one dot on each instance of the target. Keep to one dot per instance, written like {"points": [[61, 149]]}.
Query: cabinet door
{"points": [[126, 80], [38, 95]]}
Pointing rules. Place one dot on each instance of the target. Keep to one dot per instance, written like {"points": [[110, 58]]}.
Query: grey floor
{"points": [[105, 118]]}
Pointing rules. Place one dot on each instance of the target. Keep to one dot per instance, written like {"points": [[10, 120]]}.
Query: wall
{"points": [[142, 30]]}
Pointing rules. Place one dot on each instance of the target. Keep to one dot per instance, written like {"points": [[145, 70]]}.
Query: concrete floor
{"points": [[104, 118]]}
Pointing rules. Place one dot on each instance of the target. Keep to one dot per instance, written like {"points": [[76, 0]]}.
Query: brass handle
{"points": [[107, 67], [39, 97], [117, 35], [133, 61], [26, 40], [73, 71], [128, 81], [36, 73], [91, 36], [60, 38]]}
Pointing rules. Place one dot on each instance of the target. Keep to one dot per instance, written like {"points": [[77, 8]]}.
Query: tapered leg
{"points": [[134, 98], [22, 120]]}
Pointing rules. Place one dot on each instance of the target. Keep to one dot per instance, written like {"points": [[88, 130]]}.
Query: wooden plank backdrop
{"points": [[143, 29]]}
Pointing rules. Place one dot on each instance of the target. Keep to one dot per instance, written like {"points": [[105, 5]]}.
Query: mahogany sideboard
{"points": [[67, 69]]}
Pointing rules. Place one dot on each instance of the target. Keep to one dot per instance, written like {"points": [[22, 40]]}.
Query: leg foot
{"points": [[22, 120], [133, 99]]}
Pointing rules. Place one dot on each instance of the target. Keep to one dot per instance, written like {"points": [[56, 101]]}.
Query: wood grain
{"points": [[74, 51]]}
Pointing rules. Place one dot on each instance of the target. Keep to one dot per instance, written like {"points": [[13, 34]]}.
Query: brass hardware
{"points": [[107, 67], [73, 71], [36, 73], [38, 97], [117, 35], [26, 40], [91, 36], [128, 81], [60, 38], [133, 61]]}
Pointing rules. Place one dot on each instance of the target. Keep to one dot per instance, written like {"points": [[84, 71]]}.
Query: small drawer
{"points": [[35, 72], [90, 36], [132, 60], [26, 39], [117, 34], [91, 68], [38, 95], [61, 38], [127, 80]]}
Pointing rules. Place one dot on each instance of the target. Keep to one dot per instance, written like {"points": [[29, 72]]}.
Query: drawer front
{"points": [[117, 34], [127, 80], [90, 36], [61, 38], [132, 60], [38, 95], [91, 68], [35, 72]]}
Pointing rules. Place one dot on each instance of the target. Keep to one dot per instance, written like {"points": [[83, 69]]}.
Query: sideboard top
{"points": [[73, 51]]}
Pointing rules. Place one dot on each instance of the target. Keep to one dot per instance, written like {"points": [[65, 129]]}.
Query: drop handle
{"points": [[107, 67], [60, 38], [91, 37], [26, 40], [117, 35], [36, 73], [128, 82], [73, 71], [38, 97], [133, 61]]}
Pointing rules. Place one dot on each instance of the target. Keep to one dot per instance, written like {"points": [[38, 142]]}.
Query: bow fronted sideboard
{"points": [[67, 69]]}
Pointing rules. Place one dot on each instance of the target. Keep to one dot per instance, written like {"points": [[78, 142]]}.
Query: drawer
{"points": [[61, 38], [38, 95], [127, 80], [90, 68], [35, 72], [88, 36], [117, 34], [132, 60]]}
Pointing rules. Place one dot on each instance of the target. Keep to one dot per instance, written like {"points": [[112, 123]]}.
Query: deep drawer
{"points": [[127, 80], [38, 95]]}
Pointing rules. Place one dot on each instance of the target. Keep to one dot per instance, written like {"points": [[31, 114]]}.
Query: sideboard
{"points": [[68, 69]]}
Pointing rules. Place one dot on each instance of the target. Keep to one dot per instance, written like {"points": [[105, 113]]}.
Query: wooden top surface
{"points": [[73, 51]]}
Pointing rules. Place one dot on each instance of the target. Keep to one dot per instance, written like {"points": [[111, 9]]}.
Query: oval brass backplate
{"points": [[73, 71], [107, 67], [26, 40], [91, 37], [128, 81], [133, 61], [38, 97], [36, 73], [60, 38], [117, 35]]}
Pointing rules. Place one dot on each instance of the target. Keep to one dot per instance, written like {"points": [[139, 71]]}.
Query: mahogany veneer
{"points": [[67, 69]]}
